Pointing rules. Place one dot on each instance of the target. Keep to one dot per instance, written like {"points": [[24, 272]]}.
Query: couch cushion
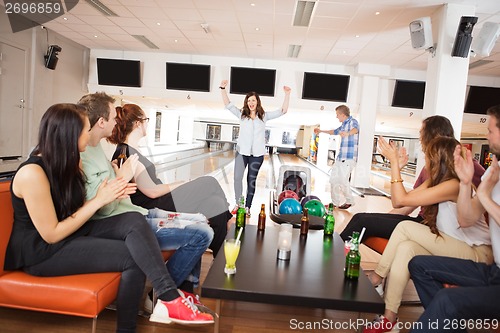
{"points": [[377, 244], [83, 295]]}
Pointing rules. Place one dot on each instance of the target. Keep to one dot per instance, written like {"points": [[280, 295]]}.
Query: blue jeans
{"points": [[189, 242], [475, 298], [202, 195], [240, 163]]}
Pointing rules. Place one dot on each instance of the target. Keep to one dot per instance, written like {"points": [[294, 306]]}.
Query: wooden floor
{"points": [[241, 317]]}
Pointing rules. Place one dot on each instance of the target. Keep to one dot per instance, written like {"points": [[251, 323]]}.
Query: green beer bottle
{"points": [[241, 214], [353, 258], [329, 221]]}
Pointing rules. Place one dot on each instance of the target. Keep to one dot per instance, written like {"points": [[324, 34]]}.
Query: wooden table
{"points": [[313, 277]]}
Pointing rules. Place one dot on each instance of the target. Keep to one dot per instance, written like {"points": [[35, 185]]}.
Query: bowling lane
{"points": [[221, 166]]}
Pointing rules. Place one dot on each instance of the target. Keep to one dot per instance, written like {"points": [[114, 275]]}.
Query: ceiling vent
{"points": [[293, 51], [144, 40], [303, 13], [101, 7], [479, 63]]}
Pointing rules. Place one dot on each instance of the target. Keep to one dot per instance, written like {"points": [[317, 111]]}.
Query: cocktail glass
{"points": [[231, 251]]}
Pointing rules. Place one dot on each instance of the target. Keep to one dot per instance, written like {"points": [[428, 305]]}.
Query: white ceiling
{"points": [[345, 32]]}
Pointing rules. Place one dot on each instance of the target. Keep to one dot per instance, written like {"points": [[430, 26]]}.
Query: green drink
{"points": [[353, 258], [241, 214], [329, 221]]}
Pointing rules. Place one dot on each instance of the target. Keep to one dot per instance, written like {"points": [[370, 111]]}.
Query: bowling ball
{"points": [[307, 198], [287, 194], [290, 206], [315, 207]]}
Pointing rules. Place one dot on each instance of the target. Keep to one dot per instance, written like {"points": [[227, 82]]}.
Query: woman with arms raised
{"points": [[251, 146]]}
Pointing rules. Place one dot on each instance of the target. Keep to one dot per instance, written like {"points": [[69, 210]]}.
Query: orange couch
{"points": [[84, 295], [376, 243]]}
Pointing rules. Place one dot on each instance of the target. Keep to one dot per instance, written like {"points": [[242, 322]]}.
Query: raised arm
{"points": [[286, 101], [223, 92], [469, 208], [41, 209]]}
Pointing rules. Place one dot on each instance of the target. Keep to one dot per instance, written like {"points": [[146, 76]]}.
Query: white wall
{"points": [[44, 87]]}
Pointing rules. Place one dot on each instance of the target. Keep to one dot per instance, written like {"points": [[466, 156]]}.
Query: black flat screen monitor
{"points": [[244, 80], [481, 99], [188, 77], [409, 94], [325, 87], [118, 72]]}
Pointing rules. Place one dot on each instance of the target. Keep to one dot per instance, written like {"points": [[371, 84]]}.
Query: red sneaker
{"points": [[381, 325], [180, 311], [195, 299]]}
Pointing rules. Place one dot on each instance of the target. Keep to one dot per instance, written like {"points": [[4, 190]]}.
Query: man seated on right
{"points": [[476, 300]]}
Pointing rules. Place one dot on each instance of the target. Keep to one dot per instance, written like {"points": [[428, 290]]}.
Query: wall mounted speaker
{"points": [[483, 43], [463, 38], [51, 56], [421, 33]]}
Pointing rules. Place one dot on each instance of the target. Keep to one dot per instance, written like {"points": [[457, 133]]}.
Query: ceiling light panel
{"points": [[101, 7], [293, 51], [143, 39], [303, 13]]}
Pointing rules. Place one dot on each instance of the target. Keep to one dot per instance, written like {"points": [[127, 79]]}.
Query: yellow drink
{"points": [[231, 251]]}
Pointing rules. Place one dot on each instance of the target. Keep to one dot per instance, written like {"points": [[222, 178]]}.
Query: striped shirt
{"points": [[348, 145]]}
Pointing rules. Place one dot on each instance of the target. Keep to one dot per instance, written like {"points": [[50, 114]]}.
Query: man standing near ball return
{"points": [[346, 158]]}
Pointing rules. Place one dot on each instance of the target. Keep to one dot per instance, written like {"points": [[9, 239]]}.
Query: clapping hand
{"points": [[389, 150], [107, 192], [464, 167], [223, 83], [403, 157], [489, 180], [287, 89]]}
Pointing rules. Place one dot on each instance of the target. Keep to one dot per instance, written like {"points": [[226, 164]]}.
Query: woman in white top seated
{"points": [[440, 234], [251, 145]]}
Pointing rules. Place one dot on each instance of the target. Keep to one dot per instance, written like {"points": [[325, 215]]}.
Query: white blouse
{"points": [[251, 140], [447, 222]]}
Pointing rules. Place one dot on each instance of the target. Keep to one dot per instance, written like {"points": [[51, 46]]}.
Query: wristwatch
{"points": [[222, 87]]}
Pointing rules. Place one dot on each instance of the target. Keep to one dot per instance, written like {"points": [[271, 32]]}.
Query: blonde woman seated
{"points": [[440, 234]]}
